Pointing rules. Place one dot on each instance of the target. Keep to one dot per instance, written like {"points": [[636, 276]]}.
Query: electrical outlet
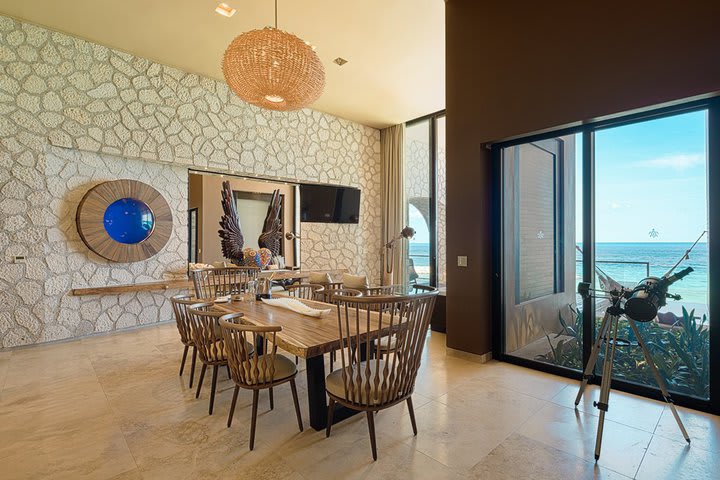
{"points": [[462, 261], [19, 259]]}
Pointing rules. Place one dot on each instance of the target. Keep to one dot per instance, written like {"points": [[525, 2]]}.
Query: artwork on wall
{"points": [[124, 220], [231, 237], [272, 233]]}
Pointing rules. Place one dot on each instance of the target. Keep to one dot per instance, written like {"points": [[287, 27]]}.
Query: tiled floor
{"points": [[114, 407]]}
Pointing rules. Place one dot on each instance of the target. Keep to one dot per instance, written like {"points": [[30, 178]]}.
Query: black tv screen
{"points": [[329, 204]]}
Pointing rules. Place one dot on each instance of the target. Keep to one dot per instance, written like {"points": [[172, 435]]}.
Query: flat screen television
{"points": [[329, 204]]}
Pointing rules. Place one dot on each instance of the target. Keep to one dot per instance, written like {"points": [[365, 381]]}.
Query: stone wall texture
{"points": [[74, 114]]}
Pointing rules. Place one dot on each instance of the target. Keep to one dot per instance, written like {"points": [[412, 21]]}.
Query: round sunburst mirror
{"points": [[124, 220]]}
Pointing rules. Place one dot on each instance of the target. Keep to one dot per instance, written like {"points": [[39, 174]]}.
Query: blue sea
{"points": [[659, 258]]}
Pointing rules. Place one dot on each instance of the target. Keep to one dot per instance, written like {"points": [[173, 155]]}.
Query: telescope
{"points": [[650, 294], [642, 302]]}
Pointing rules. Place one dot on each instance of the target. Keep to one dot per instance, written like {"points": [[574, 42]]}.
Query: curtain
{"points": [[393, 209]]}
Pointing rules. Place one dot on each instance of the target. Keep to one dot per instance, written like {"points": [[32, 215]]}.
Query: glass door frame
{"points": [[432, 227], [587, 132]]}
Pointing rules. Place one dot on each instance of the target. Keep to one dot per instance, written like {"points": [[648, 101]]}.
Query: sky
{"points": [[650, 184], [651, 181]]}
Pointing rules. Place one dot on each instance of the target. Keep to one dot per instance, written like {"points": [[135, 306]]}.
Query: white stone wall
{"points": [[73, 113]]}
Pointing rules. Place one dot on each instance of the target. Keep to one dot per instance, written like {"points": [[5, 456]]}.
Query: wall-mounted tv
{"points": [[329, 204]]}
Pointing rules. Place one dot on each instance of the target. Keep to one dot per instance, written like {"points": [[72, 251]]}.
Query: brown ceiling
{"points": [[395, 48]]}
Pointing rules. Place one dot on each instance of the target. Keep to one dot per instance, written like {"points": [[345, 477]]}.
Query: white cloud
{"points": [[681, 161]]}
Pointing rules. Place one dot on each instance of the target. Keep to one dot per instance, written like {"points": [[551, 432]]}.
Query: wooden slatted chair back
{"points": [[247, 369], [336, 295], [206, 333], [377, 382], [306, 291], [180, 304], [211, 283]]}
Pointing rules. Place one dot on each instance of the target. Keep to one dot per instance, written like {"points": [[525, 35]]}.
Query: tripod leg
{"points": [[604, 400], [658, 378], [590, 367]]}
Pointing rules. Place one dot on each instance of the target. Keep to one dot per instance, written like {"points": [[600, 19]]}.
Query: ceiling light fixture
{"points": [[273, 69], [225, 10], [340, 61]]}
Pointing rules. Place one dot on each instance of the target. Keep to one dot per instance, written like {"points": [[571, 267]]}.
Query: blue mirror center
{"points": [[128, 220]]}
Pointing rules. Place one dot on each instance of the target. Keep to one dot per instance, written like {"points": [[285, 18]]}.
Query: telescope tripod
{"points": [[608, 336]]}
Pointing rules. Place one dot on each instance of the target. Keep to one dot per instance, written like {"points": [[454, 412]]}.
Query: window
{"points": [[611, 204], [424, 178]]}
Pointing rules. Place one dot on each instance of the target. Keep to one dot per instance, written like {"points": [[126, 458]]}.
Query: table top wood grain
{"points": [[303, 335]]}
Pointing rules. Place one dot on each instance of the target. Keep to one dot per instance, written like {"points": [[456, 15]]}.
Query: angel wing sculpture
{"points": [[231, 237], [271, 235]]}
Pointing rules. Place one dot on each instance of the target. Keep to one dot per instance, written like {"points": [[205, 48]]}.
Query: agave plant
{"points": [[681, 352]]}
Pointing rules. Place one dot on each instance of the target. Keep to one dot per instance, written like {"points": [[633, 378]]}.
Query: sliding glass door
{"points": [[651, 206], [539, 259], [612, 204]]}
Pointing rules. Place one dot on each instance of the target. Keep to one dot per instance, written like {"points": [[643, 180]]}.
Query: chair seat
{"points": [[284, 368], [335, 386]]}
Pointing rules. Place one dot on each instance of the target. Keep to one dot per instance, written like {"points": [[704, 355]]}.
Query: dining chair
{"points": [[331, 287], [331, 298], [306, 291], [180, 304], [256, 372], [211, 283], [386, 343], [208, 339], [372, 384]]}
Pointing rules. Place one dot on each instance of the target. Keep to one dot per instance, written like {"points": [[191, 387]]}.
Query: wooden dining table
{"points": [[309, 338]]}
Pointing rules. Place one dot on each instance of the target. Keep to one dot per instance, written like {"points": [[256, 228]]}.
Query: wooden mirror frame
{"points": [[91, 227]]}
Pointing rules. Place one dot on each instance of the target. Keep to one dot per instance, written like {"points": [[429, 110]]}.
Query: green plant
{"points": [[681, 352]]}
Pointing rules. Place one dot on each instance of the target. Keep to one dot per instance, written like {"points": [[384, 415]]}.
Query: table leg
{"points": [[317, 400], [317, 403]]}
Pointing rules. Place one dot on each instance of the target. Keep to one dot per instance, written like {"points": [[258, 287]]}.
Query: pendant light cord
{"points": [[276, 14]]}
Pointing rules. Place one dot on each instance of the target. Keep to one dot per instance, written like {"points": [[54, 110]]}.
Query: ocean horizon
{"points": [[630, 262]]}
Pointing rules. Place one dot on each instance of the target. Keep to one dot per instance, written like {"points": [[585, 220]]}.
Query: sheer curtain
{"points": [[393, 214]]}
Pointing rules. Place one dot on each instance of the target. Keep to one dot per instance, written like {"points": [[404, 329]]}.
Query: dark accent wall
{"points": [[515, 68]]}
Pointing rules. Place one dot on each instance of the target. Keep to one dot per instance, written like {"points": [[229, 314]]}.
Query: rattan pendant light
{"points": [[273, 69]]}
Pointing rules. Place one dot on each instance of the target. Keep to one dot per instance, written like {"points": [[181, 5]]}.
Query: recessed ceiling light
{"points": [[340, 61], [225, 10]]}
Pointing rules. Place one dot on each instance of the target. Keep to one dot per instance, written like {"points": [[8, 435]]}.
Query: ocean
{"points": [[660, 257]]}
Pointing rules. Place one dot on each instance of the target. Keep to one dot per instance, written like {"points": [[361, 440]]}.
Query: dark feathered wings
{"points": [[231, 237], [271, 235]]}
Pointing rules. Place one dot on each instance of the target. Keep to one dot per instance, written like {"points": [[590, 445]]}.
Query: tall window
{"points": [[425, 200], [612, 204]]}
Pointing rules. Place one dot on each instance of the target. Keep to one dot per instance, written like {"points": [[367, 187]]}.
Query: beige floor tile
{"points": [[477, 395], [630, 410], [520, 457], [47, 363], [4, 367], [75, 450], [703, 428], [399, 462], [114, 406], [523, 380], [574, 432], [677, 460], [434, 382], [459, 437]]}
